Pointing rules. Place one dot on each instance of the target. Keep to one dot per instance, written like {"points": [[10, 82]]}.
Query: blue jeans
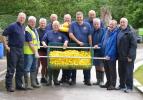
{"points": [[30, 63]]}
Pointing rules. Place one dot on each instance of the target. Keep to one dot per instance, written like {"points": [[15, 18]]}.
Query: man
{"points": [[65, 72], [126, 46], [97, 36], [54, 36], [31, 47], [91, 16], [110, 52], [15, 58], [42, 51], [80, 33], [53, 18]]}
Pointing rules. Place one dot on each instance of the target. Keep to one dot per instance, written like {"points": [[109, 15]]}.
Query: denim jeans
{"points": [[30, 63]]}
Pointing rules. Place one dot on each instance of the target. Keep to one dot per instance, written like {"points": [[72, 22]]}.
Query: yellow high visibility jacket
{"points": [[35, 41]]}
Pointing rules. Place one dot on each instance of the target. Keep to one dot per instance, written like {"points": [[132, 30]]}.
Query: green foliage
{"points": [[132, 9], [139, 74]]}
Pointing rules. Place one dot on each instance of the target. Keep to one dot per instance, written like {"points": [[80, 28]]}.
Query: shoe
{"points": [[104, 86], [128, 90], [72, 82], [49, 83], [88, 83], [62, 81], [111, 88], [56, 83], [43, 80], [20, 88], [97, 83], [10, 89], [120, 88]]}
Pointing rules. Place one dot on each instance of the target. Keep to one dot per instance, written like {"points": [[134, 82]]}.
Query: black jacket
{"points": [[126, 44]]}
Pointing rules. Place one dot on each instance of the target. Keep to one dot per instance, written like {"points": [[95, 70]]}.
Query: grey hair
{"points": [[96, 20], [67, 15], [42, 19], [22, 14], [32, 18], [92, 11], [125, 19]]}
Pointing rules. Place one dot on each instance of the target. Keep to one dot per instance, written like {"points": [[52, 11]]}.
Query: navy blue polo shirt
{"points": [[15, 33], [41, 33], [90, 22], [56, 37], [81, 32], [49, 27]]}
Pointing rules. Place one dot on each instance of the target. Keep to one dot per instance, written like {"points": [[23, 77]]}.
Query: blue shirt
{"points": [[90, 22], [15, 33], [49, 27], [81, 32], [54, 37], [41, 33]]}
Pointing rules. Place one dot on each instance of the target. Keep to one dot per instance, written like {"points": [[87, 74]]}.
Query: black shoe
{"points": [[10, 89], [37, 82], [20, 88], [43, 80], [56, 83], [111, 88], [120, 88], [104, 86], [88, 83], [72, 82], [49, 83], [62, 80]]}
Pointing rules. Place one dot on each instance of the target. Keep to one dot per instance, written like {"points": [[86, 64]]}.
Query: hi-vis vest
{"points": [[35, 42]]}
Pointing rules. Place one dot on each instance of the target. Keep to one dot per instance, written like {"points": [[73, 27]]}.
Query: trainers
{"points": [[128, 90], [120, 88]]}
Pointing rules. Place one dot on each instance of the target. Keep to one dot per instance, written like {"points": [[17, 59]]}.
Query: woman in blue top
{"points": [[97, 36], [54, 36]]}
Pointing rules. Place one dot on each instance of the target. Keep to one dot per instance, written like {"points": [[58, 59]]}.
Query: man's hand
{"points": [[44, 44], [7, 48], [107, 58], [65, 45], [36, 54], [129, 59], [81, 43], [96, 46]]}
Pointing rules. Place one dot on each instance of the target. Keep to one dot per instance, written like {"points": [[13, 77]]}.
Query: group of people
{"points": [[114, 42]]}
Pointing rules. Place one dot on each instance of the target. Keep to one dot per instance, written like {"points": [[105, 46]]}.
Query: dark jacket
{"points": [[126, 44]]}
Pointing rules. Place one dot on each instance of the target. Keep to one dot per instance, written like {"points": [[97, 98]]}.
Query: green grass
{"points": [[139, 74]]}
